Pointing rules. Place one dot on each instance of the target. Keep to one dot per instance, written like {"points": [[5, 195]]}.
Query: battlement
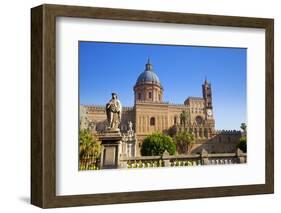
{"points": [[227, 132], [163, 102], [125, 108], [177, 105], [195, 98], [152, 102], [89, 108]]}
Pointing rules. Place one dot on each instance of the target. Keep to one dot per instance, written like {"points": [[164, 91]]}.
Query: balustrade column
{"points": [[204, 157]]}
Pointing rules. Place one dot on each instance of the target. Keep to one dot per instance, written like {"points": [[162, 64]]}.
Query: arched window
{"points": [[200, 133], [175, 120], [206, 133], [152, 121], [199, 120], [139, 96], [149, 95]]}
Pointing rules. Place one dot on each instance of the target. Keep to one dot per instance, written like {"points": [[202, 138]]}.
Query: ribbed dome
{"points": [[148, 76]]}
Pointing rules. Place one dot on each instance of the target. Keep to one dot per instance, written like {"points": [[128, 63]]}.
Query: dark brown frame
{"points": [[43, 105]]}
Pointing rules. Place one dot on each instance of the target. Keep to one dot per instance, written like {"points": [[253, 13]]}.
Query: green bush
{"points": [[243, 144], [157, 144]]}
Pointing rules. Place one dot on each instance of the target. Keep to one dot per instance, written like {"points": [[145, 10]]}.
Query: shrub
{"points": [[157, 144], [243, 144]]}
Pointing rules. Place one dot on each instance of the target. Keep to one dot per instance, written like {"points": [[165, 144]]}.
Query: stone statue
{"points": [[113, 112], [130, 124]]}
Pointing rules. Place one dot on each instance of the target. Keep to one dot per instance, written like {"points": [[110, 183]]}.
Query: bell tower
{"points": [[207, 96]]}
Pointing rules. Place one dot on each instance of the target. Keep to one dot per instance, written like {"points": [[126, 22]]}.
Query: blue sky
{"points": [[114, 67]]}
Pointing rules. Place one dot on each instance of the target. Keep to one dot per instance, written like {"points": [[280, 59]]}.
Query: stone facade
{"points": [[150, 114]]}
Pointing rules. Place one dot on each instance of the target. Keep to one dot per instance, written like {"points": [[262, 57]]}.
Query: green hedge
{"points": [[156, 144]]}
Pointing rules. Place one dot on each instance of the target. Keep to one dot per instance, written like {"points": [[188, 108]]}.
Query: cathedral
{"points": [[151, 114]]}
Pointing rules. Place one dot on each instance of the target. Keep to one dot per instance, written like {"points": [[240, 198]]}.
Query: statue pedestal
{"points": [[111, 142]]}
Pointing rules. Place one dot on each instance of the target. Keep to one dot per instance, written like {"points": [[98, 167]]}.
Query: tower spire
{"points": [[207, 93], [148, 65]]}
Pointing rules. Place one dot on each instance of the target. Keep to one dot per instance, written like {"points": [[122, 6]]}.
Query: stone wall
{"points": [[148, 117], [217, 142], [94, 118]]}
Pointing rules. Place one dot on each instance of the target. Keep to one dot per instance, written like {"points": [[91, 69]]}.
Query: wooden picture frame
{"points": [[43, 105]]}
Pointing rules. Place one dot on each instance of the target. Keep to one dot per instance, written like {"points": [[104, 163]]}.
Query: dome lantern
{"points": [[148, 66]]}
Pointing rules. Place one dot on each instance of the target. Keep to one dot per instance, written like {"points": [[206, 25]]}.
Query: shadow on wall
{"points": [[225, 142]]}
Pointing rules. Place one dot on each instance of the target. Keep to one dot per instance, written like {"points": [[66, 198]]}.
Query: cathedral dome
{"points": [[148, 76]]}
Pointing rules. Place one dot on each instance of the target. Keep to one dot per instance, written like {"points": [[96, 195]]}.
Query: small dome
{"points": [[148, 76]]}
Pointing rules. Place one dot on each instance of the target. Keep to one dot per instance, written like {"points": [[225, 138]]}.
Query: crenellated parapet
{"points": [[92, 108], [227, 132], [177, 105], [95, 108], [195, 98], [127, 109], [151, 102]]}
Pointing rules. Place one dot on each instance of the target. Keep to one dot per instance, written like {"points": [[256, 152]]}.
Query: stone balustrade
{"points": [[167, 160]]}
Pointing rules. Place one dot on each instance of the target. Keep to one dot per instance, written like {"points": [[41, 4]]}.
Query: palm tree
{"points": [[183, 117], [243, 127], [89, 146], [184, 142]]}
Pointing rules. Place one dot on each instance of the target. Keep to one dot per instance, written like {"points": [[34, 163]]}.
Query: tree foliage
{"points": [[243, 127], [157, 144], [184, 142], [243, 144], [88, 145], [184, 117]]}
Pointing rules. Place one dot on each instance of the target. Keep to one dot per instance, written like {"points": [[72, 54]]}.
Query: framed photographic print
{"points": [[136, 106]]}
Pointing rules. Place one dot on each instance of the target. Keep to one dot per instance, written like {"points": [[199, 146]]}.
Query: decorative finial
{"points": [[206, 82], [148, 66]]}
